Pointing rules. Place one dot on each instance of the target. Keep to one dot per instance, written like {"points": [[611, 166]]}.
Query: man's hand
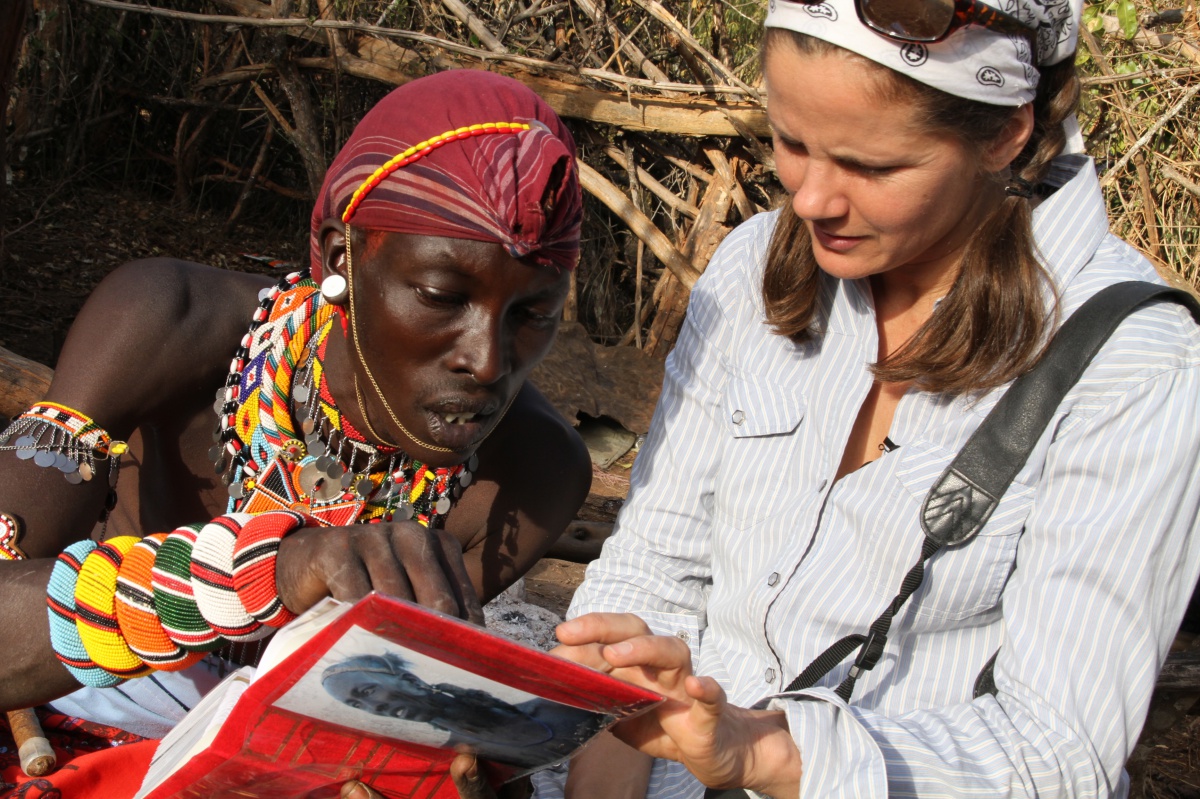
{"points": [[467, 774], [402, 559]]}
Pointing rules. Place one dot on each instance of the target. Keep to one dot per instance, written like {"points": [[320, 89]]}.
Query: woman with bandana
{"points": [[373, 430], [940, 224]]}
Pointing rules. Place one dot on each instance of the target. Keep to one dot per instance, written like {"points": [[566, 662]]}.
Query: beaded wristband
{"points": [[10, 537], [212, 580], [136, 614], [60, 605], [171, 580], [254, 565], [95, 610]]}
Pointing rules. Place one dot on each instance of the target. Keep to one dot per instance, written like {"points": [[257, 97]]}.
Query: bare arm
{"points": [[120, 365]]}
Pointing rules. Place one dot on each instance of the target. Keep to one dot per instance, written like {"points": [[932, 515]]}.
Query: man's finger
{"points": [[452, 556], [386, 574], [468, 778], [419, 554], [359, 790]]}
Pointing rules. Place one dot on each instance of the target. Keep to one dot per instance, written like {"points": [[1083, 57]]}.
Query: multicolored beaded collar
{"points": [[322, 466]]}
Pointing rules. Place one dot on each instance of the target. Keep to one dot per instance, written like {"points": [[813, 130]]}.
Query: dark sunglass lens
{"points": [[911, 20]]}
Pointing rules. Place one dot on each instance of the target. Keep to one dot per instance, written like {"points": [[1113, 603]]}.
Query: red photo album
{"points": [[387, 692]]}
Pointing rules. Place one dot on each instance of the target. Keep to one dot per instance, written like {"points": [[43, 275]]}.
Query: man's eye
{"points": [[535, 318], [438, 297]]}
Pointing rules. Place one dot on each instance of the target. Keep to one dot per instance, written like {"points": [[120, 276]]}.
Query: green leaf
{"points": [[1127, 16], [1092, 21]]}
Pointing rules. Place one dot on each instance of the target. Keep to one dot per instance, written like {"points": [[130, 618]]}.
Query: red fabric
{"points": [[520, 190], [93, 761]]}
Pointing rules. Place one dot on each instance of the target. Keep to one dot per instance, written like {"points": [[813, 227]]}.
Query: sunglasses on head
{"points": [[928, 21]]}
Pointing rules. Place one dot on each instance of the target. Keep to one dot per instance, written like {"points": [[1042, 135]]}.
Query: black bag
{"points": [[963, 498]]}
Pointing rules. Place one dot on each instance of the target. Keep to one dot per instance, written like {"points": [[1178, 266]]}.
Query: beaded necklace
{"points": [[332, 474]]}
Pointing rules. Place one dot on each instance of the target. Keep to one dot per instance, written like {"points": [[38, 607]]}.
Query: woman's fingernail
{"points": [[623, 648], [356, 790]]}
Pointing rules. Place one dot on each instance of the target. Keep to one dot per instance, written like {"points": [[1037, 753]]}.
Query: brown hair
{"points": [[992, 324]]}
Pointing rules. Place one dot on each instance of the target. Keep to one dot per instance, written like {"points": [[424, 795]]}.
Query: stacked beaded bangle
{"points": [[128, 606]]}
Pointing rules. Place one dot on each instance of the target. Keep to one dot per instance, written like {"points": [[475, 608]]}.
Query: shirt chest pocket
{"points": [[962, 580], [757, 465]]}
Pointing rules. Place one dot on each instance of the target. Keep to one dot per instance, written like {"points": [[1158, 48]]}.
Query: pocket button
{"points": [[738, 417]]}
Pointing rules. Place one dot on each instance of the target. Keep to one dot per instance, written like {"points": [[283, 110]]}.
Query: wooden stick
{"points": [[600, 187], [37, 758]]}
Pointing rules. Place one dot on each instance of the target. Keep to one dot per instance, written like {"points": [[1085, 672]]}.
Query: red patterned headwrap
{"points": [[464, 154]]}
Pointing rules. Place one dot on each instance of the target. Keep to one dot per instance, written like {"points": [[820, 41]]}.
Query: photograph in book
{"points": [[366, 683]]}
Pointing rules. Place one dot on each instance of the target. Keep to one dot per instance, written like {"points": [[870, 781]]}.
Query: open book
{"points": [[388, 692]]}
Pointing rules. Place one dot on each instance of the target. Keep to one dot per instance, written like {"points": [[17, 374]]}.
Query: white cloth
{"points": [[737, 538], [973, 62]]}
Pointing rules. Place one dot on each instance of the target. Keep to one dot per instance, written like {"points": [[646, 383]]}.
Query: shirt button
{"points": [[770, 675], [683, 636], [773, 578], [738, 417]]}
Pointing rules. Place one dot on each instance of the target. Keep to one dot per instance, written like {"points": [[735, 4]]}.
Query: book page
{"points": [[197, 729], [292, 636]]}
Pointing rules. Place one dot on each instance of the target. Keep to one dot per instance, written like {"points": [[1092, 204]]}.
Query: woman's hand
{"points": [[723, 745], [402, 559]]}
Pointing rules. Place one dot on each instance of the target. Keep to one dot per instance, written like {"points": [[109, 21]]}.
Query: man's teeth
{"points": [[456, 418]]}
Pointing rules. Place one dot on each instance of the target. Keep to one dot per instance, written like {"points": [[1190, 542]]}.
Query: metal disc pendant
{"points": [[324, 463], [237, 490], [221, 394], [65, 464], [310, 477], [44, 458], [363, 488], [220, 463], [443, 506], [25, 453], [327, 491], [335, 471], [473, 463], [308, 426], [85, 471], [347, 479], [74, 478], [313, 440], [404, 511], [465, 478], [300, 393], [215, 452], [218, 406], [25, 441]]}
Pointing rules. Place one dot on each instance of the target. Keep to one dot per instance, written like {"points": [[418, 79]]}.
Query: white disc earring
{"points": [[335, 289]]}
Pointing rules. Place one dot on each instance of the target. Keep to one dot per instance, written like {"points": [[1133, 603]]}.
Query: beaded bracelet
{"points": [[10, 537], [212, 580], [136, 613], [174, 599], [60, 604], [95, 610], [254, 565]]}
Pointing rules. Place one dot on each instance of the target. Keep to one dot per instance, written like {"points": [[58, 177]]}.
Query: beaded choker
{"points": [[322, 466]]}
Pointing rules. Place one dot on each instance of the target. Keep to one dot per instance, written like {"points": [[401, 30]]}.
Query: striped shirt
{"points": [[737, 538]]}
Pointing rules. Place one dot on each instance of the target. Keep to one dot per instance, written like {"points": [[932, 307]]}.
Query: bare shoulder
{"points": [[535, 445], [152, 331], [534, 472]]}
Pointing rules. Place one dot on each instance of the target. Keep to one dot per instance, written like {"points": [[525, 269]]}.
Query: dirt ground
{"points": [[61, 239]]}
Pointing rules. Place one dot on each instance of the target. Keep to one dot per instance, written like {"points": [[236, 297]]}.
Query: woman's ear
{"points": [[332, 235], [1011, 141]]}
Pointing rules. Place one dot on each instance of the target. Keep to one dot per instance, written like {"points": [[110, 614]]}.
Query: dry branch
{"points": [[460, 10], [604, 191], [652, 184], [1145, 138]]}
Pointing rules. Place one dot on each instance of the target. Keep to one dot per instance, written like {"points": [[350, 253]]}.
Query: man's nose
{"points": [[482, 350]]}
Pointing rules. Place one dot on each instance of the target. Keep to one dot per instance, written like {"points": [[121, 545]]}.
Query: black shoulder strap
{"points": [[963, 498]]}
